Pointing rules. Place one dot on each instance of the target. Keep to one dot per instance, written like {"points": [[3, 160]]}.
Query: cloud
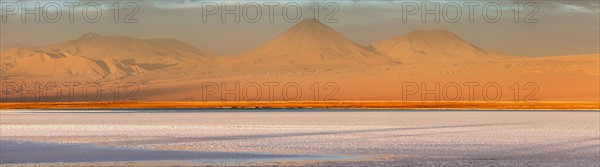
{"points": [[587, 6]]}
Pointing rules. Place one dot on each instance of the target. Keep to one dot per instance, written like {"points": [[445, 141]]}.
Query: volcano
{"points": [[431, 45], [311, 42]]}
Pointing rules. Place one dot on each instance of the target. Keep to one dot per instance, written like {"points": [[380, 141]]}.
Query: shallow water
{"points": [[44, 152]]}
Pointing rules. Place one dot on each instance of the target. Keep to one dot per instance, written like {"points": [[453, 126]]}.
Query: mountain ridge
{"points": [[108, 57]]}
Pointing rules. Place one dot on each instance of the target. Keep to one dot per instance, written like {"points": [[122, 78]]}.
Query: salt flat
{"points": [[506, 138]]}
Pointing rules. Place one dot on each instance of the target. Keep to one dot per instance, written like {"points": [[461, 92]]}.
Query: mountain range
{"points": [[308, 52], [308, 44]]}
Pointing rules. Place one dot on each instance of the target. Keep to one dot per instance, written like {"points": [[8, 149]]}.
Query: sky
{"points": [[529, 28]]}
